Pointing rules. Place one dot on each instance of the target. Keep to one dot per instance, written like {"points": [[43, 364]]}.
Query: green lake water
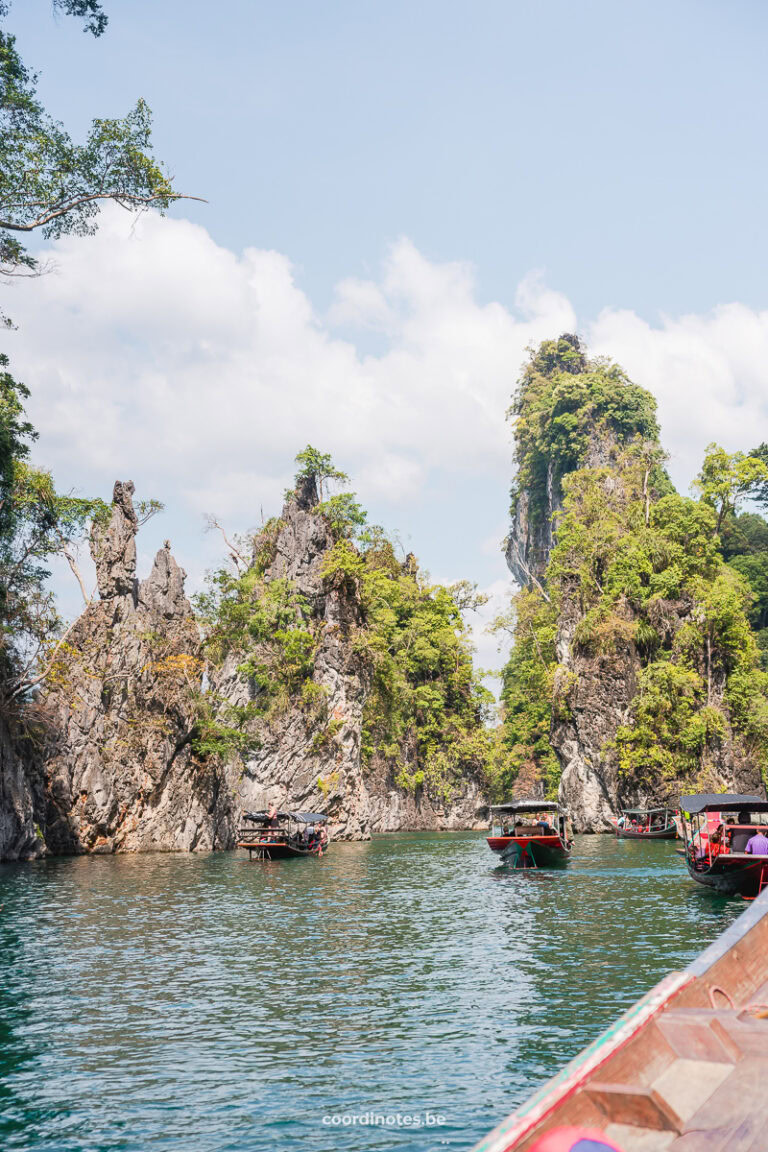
{"points": [[204, 1003]]}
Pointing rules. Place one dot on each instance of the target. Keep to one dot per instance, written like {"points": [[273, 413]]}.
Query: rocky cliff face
{"points": [[599, 697], [394, 809], [119, 772], [19, 834], [296, 764], [303, 762], [529, 543], [642, 666]]}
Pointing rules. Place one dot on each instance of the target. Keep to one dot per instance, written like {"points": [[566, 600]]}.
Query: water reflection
{"points": [[179, 1002]]}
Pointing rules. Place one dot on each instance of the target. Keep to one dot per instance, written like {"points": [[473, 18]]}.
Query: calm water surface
{"points": [[207, 1004]]}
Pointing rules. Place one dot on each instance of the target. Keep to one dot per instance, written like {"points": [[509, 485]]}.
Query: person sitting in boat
{"points": [[718, 840], [758, 845], [272, 815], [543, 827]]}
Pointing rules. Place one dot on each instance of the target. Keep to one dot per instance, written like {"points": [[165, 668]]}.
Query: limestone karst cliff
{"points": [[304, 673], [119, 770], [20, 837], [634, 672]]}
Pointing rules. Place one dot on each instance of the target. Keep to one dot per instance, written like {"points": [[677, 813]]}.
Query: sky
{"points": [[401, 197]]}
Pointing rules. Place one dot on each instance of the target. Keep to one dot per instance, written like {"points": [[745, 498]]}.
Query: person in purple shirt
{"points": [[758, 845]]}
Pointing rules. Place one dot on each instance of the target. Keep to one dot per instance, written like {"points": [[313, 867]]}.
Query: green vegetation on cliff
{"points": [[635, 569], [425, 710], [564, 406]]}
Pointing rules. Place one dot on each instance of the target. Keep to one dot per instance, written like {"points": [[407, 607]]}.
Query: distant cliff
{"points": [[634, 672]]}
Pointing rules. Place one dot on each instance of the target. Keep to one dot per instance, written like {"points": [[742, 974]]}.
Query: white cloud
{"points": [[709, 374], [155, 354]]}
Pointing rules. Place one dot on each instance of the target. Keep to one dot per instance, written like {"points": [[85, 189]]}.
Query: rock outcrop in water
{"points": [[628, 665], [119, 771], [309, 744]]}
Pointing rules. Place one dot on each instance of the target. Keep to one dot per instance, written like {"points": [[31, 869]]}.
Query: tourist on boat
{"points": [[543, 827], [718, 841], [622, 821], [272, 815], [758, 845]]}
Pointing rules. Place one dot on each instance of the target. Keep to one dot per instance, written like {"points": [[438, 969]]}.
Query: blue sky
{"points": [[409, 166], [617, 145]]}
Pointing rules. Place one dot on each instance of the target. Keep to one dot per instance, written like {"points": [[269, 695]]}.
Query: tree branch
{"points": [[238, 557], [120, 197], [25, 685]]}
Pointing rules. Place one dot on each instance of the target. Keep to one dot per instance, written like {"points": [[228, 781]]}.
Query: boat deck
{"points": [[703, 1089]]}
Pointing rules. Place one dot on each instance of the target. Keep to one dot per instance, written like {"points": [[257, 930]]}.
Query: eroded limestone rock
{"points": [[120, 774]]}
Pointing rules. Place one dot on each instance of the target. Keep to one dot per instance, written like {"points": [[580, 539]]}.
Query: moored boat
{"points": [[681, 1071], [523, 835], [646, 824], [717, 830], [278, 835]]}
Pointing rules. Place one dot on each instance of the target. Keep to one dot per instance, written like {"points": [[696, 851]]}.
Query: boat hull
{"points": [[530, 851], [280, 850], [731, 877], [660, 834]]}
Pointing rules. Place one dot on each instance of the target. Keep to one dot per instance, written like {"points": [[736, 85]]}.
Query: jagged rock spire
{"points": [[306, 494], [113, 547]]}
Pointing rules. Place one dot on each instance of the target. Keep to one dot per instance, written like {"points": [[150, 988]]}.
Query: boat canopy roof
{"points": [[528, 806], [260, 817], [722, 802], [299, 817], [645, 811]]}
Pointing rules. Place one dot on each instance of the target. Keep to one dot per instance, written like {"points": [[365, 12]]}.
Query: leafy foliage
{"points": [[36, 522], [427, 708], [47, 181], [727, 478], [643, 570], [561, 400]]}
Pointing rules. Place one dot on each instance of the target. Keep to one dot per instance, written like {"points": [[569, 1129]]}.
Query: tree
{"points": [[36, 522], [51, 184], [760, 494], [317, 466], [727, 478]]}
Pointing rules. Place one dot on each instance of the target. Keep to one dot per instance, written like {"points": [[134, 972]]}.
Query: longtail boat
{"points": [[646, 824], [283, 834], [717, 829], [684, 1070], [522, 834]]}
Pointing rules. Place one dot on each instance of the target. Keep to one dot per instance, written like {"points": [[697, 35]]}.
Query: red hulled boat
{"points": [[530, 833], [717, 829]]}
